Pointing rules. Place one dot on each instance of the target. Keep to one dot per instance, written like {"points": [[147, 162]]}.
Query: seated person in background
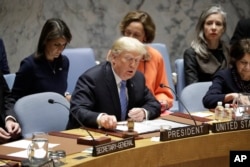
{"points": [[9, 128], [241, 31], [140, 25], [47, 69], [3, 59], [228, 83], [208, 53], [95, 100]]}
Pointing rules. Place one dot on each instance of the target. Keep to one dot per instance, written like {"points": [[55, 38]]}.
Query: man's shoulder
{"points": [[98, 71]]}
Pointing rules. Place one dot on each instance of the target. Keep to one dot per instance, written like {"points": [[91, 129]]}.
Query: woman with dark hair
{"points": [[229, 82], [46, 69], [208, 53], [140, 25]]}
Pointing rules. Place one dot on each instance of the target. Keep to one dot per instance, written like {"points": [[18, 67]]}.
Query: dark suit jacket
{"points": [[241, 31], [223, 84], [3, 59], [96, 92], [5, 101]]}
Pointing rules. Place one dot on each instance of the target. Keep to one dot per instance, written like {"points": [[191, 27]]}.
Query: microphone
{"points": [[101, 145], [165, 86], [94, 142]]}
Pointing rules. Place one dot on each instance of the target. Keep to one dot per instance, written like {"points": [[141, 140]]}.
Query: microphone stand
{"points": [[93, 141], [101, 145], [165, 86]]}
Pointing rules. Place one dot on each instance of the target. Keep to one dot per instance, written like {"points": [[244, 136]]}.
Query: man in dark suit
{"points": [[3, 59], [9, 128], [95, 100]]}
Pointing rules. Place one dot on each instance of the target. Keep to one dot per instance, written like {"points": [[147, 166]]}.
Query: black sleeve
{"points": [[190, 67], [5, 99]]}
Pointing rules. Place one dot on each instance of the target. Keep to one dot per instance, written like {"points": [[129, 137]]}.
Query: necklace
{"points": [[52, 66]]}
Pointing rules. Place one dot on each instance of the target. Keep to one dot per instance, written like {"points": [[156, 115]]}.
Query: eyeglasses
{"points": [[132, 59]]}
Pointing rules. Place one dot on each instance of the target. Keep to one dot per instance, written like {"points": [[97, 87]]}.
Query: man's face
{"points": [[125, 64]]}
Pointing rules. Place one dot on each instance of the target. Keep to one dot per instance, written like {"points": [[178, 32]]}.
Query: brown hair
{"points": [[142, 17], [238, 50]]}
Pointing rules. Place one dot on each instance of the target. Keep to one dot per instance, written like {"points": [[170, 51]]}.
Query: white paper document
{"points": [[20, 154], [202, 114], [23, 144], [149, 125]]}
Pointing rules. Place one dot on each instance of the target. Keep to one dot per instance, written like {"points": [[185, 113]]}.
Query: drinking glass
{"points": [[164, 128], [38, 148], [241, 106]]}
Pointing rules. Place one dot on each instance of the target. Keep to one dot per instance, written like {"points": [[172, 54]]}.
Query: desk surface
{"points": [[206, 150]]}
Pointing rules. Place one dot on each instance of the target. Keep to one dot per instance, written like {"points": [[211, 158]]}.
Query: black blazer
{"points": [[200, 70], [241, 30], [3, 59], [5, 101], [96, 92]]}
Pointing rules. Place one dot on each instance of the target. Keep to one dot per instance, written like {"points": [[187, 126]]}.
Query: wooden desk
{"points": [[206, 151]]}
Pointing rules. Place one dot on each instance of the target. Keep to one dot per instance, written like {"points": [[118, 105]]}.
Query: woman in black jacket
{"points": [[208, 53], [227, 83]]}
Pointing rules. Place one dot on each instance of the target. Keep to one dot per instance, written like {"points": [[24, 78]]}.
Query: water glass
{"points": [[241, 106], [38, 148], [164, 128]]}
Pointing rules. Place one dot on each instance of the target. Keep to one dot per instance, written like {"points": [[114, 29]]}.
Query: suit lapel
{"points": [[112, 88]]}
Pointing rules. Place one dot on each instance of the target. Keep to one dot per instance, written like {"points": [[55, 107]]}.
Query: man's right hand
{"points": [[108, 121]]}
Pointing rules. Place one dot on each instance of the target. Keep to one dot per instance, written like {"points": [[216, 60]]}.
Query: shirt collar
{"points": [[117, 78]]}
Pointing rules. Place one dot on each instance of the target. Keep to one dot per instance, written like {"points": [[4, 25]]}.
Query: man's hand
{"points": [[164, 105], [108, 121], [136, 114]]}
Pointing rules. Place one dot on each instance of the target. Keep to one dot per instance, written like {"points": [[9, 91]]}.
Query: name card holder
{"points": [[113, 146], [184, 132], [230, 126], [89, 141]]}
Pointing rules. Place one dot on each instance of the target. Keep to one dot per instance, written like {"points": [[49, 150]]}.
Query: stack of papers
{"points": [[149, 125]]}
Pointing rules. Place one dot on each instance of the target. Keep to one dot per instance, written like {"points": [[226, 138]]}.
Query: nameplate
{"points": [[230, 126], [113, 146], [184, 132]]}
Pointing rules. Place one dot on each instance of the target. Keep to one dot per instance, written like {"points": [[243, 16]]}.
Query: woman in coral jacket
{"points": [[140, 25]]}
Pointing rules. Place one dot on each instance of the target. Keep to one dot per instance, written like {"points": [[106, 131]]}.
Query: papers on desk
{"points": [[18, 144], [23, 144], [202, 114], [149, 125]]}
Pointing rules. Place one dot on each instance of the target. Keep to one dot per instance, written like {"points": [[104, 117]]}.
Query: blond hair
{"points": [[126, 44]]}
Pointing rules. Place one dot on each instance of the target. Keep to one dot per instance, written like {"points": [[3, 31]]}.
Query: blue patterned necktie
{"points": [[123, 100]]}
